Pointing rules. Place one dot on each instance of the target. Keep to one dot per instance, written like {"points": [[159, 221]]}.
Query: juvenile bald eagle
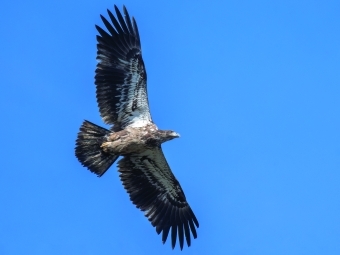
{"points": [[123, 103]]}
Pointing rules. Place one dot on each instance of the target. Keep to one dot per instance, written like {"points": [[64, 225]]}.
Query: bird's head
{"points": [[172, 134], [169, 135]]}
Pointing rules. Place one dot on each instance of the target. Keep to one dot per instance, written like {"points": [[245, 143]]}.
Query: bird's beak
{"points": [[175, 135]]}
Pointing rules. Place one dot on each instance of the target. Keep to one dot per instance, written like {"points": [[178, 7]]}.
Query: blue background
{"points": [[253, 87]]}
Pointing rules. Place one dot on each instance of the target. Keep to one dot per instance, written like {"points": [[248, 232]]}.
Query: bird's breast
{"points": [[128, 141]]}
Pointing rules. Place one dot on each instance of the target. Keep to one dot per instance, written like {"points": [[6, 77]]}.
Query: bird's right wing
{"points": [[120, 75]]}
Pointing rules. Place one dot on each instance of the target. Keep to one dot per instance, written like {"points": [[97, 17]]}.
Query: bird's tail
{"points": [[88, 150]]}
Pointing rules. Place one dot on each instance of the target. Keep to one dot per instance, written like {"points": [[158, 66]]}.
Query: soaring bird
{"points": [[123, 103]]}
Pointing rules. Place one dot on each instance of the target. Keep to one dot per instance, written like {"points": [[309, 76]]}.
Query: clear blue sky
{"points": [[253, 87]]}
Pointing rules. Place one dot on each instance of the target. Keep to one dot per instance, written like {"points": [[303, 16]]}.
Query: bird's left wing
{"points": [[120, 75], [153, 188]]}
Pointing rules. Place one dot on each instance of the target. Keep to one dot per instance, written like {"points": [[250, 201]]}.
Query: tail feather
{"points": [[88, 150]]}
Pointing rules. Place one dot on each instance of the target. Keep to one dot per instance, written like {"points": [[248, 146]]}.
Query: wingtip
{"points": [[116, 9], [126, 13]]}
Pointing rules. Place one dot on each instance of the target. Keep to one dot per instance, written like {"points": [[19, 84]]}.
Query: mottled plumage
{"points": [[123, 103]]}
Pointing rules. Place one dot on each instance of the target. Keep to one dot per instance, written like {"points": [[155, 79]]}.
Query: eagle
{"points": [[122, 99]]}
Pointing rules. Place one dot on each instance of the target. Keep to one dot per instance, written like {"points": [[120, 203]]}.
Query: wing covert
{"points": [[120, 74], [153, 188]]}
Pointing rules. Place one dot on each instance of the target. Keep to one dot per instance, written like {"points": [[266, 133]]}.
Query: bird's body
{"points": [[136, 139], [123, 103]]}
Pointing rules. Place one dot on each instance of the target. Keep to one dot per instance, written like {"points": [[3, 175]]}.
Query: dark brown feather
{"points": [[163, 201]]}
